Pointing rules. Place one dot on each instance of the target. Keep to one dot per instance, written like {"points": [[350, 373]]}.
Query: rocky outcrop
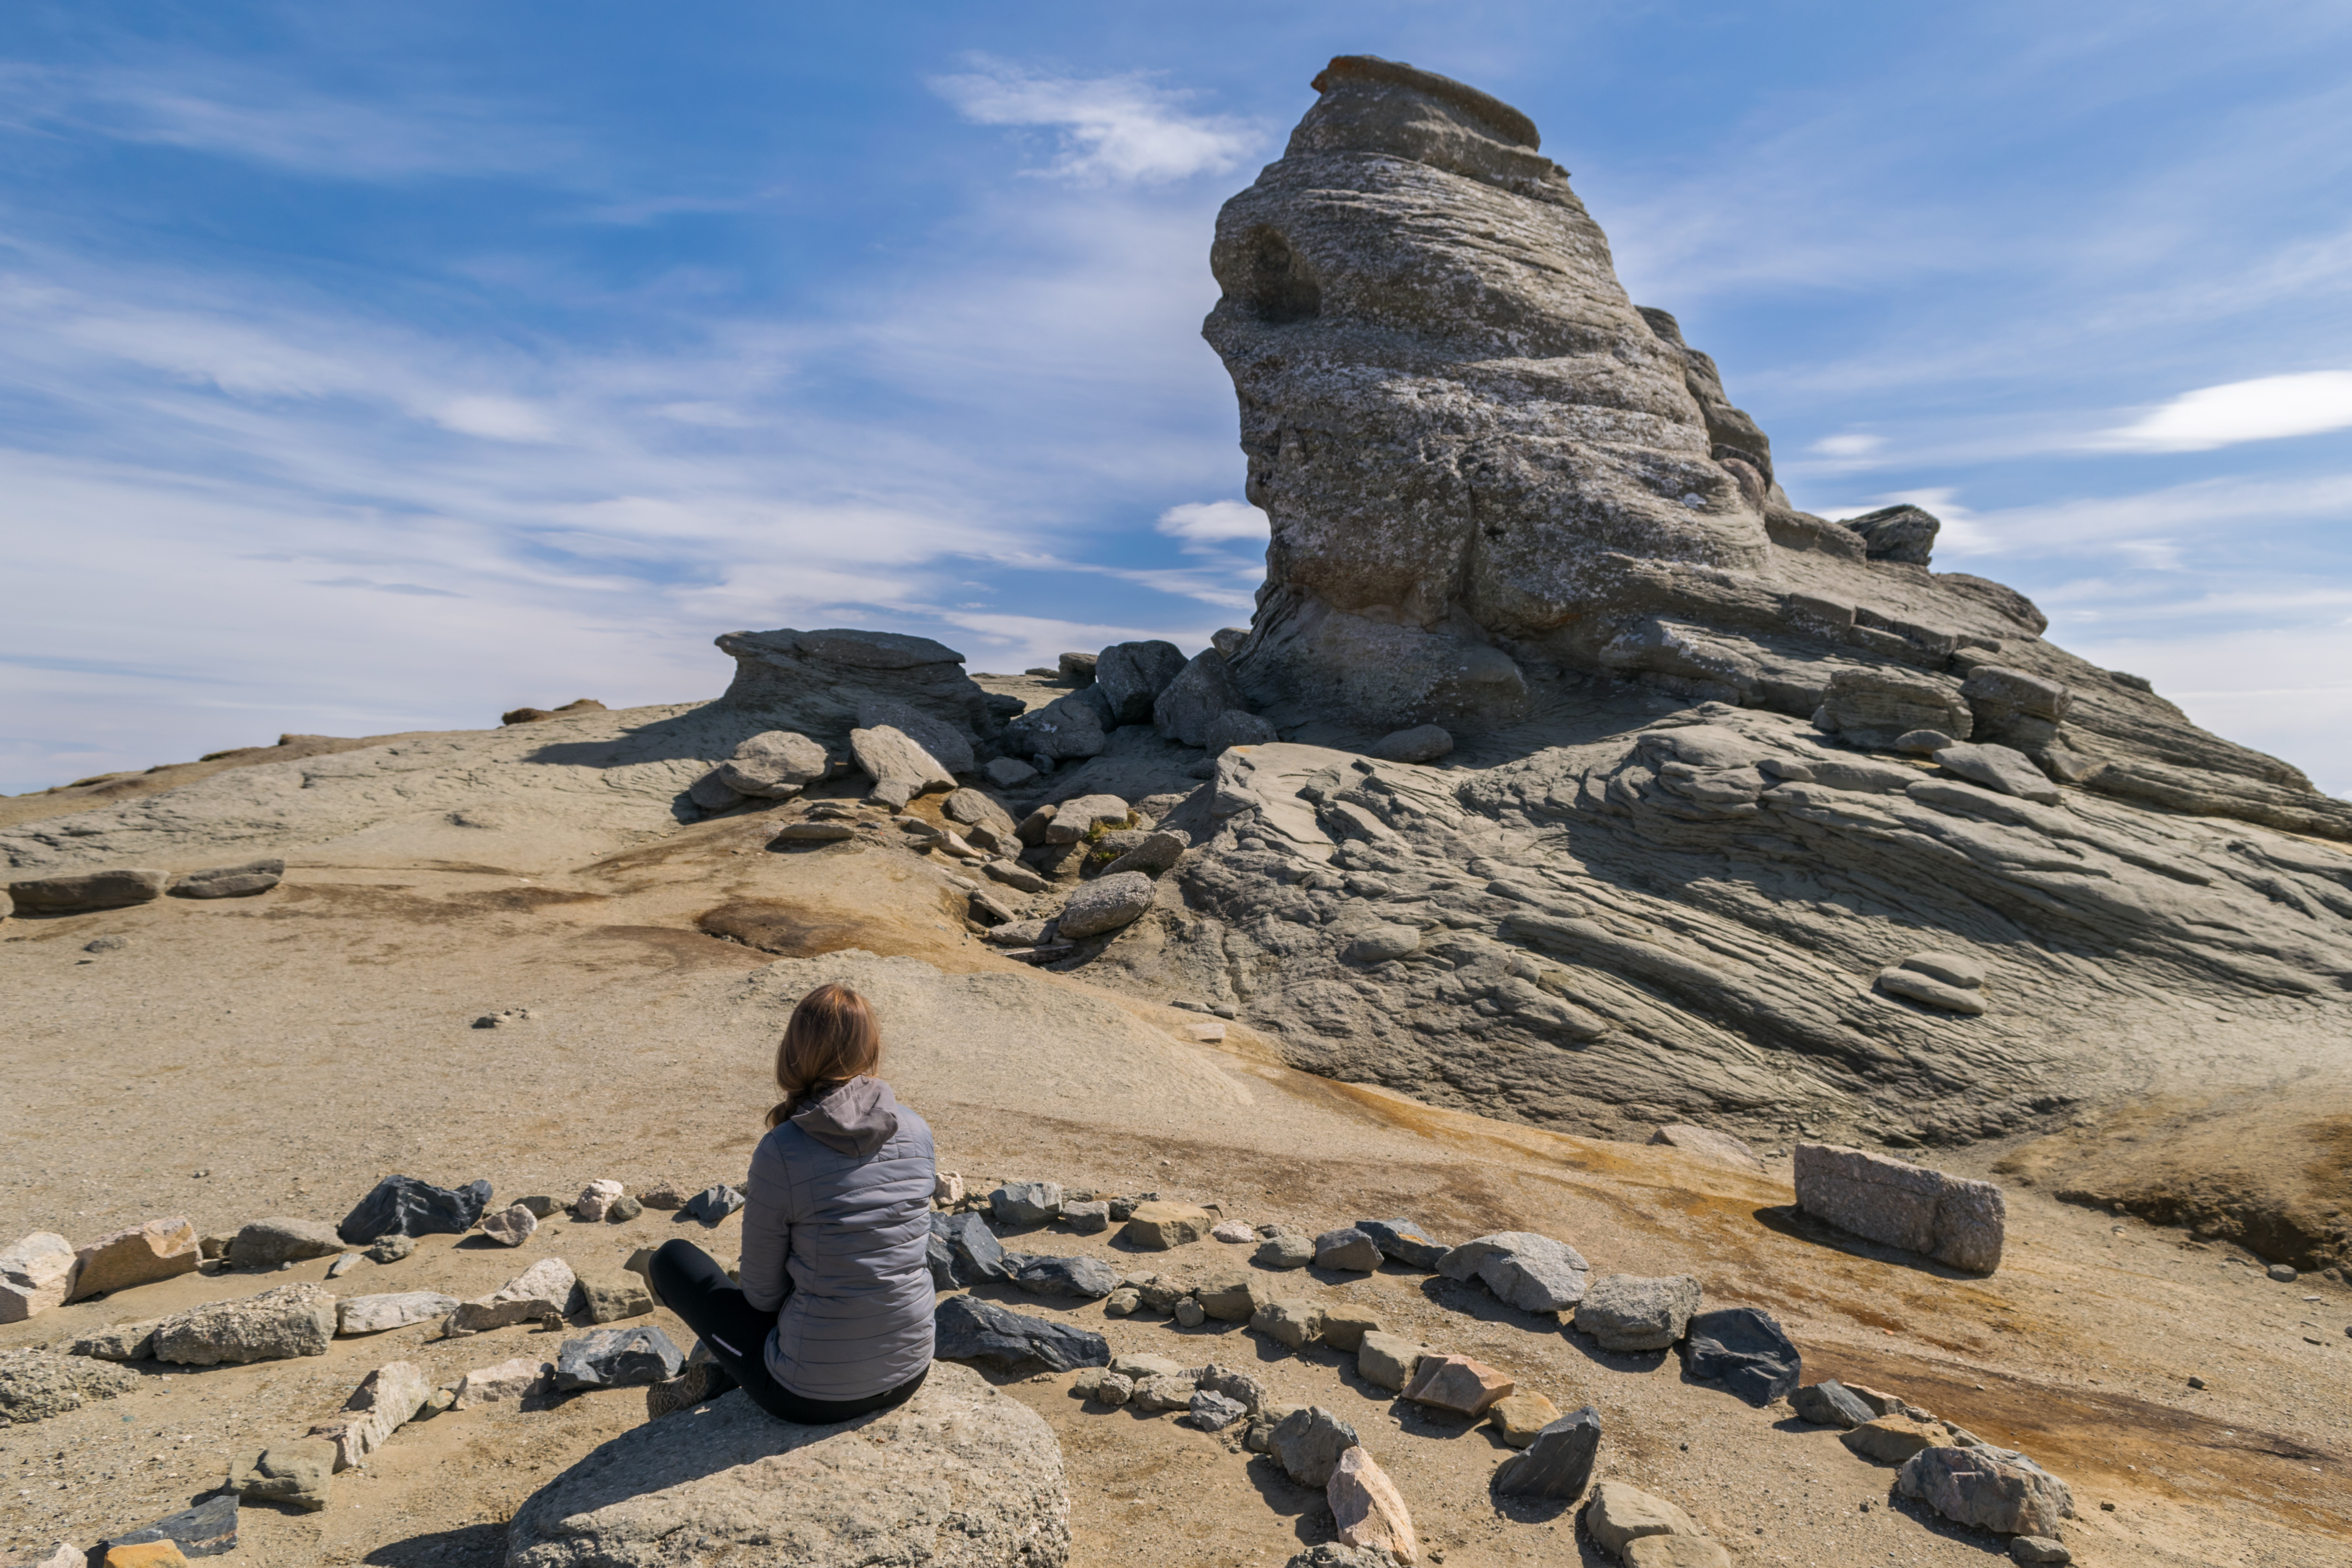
{"points": [[962, 1476], [815, 682], [1486, 469]]}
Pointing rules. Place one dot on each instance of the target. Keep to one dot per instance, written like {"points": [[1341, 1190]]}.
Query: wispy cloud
{"points": [[1214, 523], [1112, 130], [2267, 409]]}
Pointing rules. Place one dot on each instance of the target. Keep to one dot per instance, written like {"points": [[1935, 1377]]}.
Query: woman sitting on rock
{"points": [[833, 1319]]}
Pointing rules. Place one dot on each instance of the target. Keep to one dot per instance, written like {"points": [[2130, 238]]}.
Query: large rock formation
{"points": [[1485, 465]]}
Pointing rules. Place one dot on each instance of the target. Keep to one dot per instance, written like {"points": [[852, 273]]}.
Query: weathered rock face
{"points": [[960, 1476], [815, 682], [1485, 467]]}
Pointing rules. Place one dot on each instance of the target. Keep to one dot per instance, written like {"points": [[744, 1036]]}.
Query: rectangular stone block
{"points": [[1952, 1219], [141, 1255]]}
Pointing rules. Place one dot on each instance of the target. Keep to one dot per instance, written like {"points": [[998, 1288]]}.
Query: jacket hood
{"points": [[858, 1118]]}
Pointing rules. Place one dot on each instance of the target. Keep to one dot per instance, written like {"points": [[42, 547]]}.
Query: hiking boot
{"points": [[701, 1379]]}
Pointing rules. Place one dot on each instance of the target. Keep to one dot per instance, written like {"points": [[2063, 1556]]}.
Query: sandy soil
{"points": [[278, 1055]]}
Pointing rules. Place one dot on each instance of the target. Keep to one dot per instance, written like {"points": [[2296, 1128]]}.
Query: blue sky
{"points": [[374, 368]]}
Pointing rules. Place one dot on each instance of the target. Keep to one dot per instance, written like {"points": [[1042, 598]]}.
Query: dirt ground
{"points": [[276, 1056]]}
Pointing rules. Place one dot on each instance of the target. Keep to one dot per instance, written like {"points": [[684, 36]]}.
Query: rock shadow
{"points": [[1787, 1219], [467, 1546], [1305, 1507]]}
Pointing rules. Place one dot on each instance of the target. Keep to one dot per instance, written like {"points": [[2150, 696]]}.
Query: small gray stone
{"points": [[813, 833], [392, 1309], [713, 1204], [1009, 772], [2283, 1273], [1285, 1249], [391, 1248], [343, 1265], [1404, 1241], [1349, 1249], [231, 881], [266, 1243], [1188, 1313], [711, 792], [776, 764], [2001, 769], [1559, 1463], [2038, 1549], [1379, 944], [1532, 1272], [106, 945], [1151, 854], [1830, 1402], [618, 1358], [1214, 1412], [1747, 1349], [122, 1341], [611, 1298], [1086, 1218], [1087, 1278], [1985, 1489], [1106, 904], [1025, 1203], [1307, 1443], [1629, 1313], [1922, 742], [623, 1209], [1017, 934], [965, 1328], [296, 1473]]}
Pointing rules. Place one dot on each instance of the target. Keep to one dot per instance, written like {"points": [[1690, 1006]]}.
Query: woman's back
{"points": [[838, 1204]]}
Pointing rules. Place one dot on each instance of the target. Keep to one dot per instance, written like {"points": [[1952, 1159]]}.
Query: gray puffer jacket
{"points": [[835, 1220]]}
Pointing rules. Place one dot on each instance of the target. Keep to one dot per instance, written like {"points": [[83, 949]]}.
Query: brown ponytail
{"points": [[832, 1038]]}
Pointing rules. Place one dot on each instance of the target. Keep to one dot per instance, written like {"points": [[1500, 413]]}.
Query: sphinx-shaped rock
{"points": [[1486, 470], [817, 682]]}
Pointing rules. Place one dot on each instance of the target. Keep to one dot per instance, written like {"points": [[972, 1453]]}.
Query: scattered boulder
{"points": [[1088, 1278], [1558, 1463], [813, 833], [523, 1377], [1238, 727], [1131, 676], [512, 1225], [1892, 1438], [775, 764], [1388, 1361], [595, 1199], [1009, 772], [1213, 1412], [1075, 818], [1026, 1204], [611, 1298], [1458, 1384], [402, 1205], [949, 744], [1293, 1323], [1986, 1489], [392, 1309], [207, 1530], [121, 1342], [87, 891], [1203, 691], [1707, 1144], [1238, 1387], [1829, 1403], [713, 1204], [1953, 1219], [548, 1288], [294, 1473], [1422, 743], [960, 1476], [2014, 707], [1232, 1232], [1345, 1325], [2039, 1548], [711, 792], [1999, 768], [967, 1329], [1379, 943], [1620, 1514], [900, 769], [35, 1385], [1106, 905], [1307, 1443], [1158, 1227], [289, 1320], [1531, 1272], [1350, 1251], [1905, 534], [1078, 668], [1151, 853], [1519, 1416], [617, 1357], [1168, 1391], [1629, 1313], [1334, 1554], [1228, 1300], [1368, 1507], [266, 1243], [343, 1265], [623, 1209], [386, 1400], [231, 881], [36, 1273], [1065, 729], [1744, 1348], [1403, 1242]]}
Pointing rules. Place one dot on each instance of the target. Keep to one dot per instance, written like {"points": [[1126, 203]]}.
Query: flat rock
{"points": [[963, 1251], [391, 1310], [1388, 1361], [1913, 986], [2039, 1548], [1345, 1324], [266, 1243], [545, 1289], [88, 890], [35, 1385], [1307, 1443], [1951, 968], [1676, 1551], [240, 882], [1707, 1144], [890, 756], [1089, 1278], [289, 1320], [1149, 853], [1747, 1349], [962, 1476], [1621, 1514], [1106, 904], [1629, 1312], [386, 1399], [1285, 1249], [512, 1225], [1379, 944], [522, 1377], [1517, 1417], [609, 1298], [1953, 1219], [404, 1206], [36, 1273], [1829, 1403], [1558, 1463], [1458, 1384], [813, 833], [1213, 1412], [1368, 1510], [2001, 768], [294, 1473], [967, 1329], [1157, 1227], [207, 1530], [1531, 1272], [1987, 1489]]}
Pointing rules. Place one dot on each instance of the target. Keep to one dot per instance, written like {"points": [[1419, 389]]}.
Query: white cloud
{"points": [[1116, 129], [499, 418], [2266, 409], [1213, 521], [1852, 445]]}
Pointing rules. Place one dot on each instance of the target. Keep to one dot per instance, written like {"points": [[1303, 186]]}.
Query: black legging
{"points": [[690, 1283]]}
